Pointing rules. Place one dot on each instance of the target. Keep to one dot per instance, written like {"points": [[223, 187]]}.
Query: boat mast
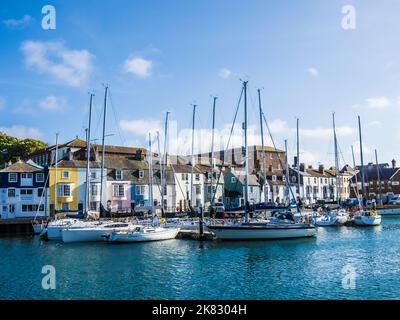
{"points": [[56, 176], [362, 159], [354, 165], [264, 178], [161, 170], [151, 176], [164, 186], [103, 145], [246, 183], [298, 159], [378, 174], [87, 191], [192, 159], [287, 172], [212, 152], [336, 160]]}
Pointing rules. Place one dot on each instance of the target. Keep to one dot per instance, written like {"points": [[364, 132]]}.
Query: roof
{"points": [[183, 168], [23, 167], [77, 164], [371, 174]]}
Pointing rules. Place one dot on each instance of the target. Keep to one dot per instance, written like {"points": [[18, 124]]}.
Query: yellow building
{"points": [[66, 190]]}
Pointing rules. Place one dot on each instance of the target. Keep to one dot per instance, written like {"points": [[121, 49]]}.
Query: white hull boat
{"points": [[53, 230], [367, 220], [93, 233], [248, 231], [142, 234]]}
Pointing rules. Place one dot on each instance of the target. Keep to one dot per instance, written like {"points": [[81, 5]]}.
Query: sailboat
{"points": [[365, 217], [333, 217], [249, 230]]}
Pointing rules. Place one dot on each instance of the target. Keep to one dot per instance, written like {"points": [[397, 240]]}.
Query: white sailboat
{"points": [[143, 234], [365, 217], [258, 231], [94, 232]]}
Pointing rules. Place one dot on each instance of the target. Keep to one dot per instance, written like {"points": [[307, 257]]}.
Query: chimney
{"points": [[321, 169], [302, 167], [393, 163], [70, 155]]}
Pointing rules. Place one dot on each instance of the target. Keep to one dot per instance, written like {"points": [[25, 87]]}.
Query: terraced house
{"points": [[23, 190]]}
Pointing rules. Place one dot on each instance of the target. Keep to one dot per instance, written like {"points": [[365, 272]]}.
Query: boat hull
{"points": [[125, 237], [367, 220], [262, 233], [88, 234]]}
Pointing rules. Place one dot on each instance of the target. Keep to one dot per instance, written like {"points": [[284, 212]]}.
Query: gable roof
{"points": [[22, 167]]}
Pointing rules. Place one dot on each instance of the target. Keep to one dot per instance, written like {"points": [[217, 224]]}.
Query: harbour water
{"points": [[186, 269]]}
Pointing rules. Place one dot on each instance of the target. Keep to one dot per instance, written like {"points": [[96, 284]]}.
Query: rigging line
{"points": [[115, 118], [280, 161], [228, 142]]}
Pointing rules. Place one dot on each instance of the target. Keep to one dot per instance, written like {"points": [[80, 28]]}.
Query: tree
{"points": [[12, 148]]}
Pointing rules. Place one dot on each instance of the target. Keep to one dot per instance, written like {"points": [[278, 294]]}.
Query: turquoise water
{"points": [[185, 269]]}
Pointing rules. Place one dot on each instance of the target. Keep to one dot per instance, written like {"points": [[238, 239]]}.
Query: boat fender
{"points": [[374, 213], [162, 220]]}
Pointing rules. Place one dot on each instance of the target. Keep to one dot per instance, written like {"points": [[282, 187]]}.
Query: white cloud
{"points": [[356, 146], [313, 71], [278, 126], [22, 132], [72, 67], [378, 103], [140, 127], [2, 102], [224, 73], [138, 66], [19, 23], [52, 103]]}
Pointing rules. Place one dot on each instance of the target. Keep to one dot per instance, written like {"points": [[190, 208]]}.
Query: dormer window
{"points": [[273, 178], [233, 179], [118, 174], [65, 174], [141, 174]]}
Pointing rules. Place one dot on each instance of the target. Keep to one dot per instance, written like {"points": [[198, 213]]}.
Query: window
{"points": [[283, 178], [271, 156], [65, 174], [233, 179], [12, 177], [5, 208], [65, 190], [251, 189], [198, 189], [294, 179], [40, 192], [26, 192], [183, 176], [140, 190], [93, 175], [65, 206], [26, 175], [118, 190], [119, 205], [95, 190], [40, 177], [141, 174], [274, 178], [197, 177], [11, 193], [11, 208], [118, 175]]}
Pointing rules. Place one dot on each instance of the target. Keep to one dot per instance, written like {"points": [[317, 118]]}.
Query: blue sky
{"points": [[166, 55]]}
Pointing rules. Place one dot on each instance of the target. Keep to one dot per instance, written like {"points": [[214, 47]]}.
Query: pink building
{"points": [[118, 186]]}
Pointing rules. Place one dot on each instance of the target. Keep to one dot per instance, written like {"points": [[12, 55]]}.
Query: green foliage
{"points": [[11, 147]]}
